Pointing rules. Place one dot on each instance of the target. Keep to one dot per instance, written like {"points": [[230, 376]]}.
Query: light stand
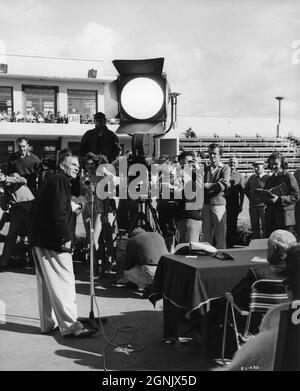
{"points": [[145, 206], [91, 320]]}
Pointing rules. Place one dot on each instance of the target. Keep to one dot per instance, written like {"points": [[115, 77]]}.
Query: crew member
{"points": [[100, 140], [25, 163]]}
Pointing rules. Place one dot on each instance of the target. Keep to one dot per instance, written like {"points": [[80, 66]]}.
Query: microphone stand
{"points": [[91, 320]]}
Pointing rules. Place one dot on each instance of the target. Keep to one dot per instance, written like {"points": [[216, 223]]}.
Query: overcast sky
{"points": [[225, 57]]}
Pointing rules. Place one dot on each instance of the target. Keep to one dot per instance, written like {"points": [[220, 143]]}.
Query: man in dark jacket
{"points": [[25, 163], [100, 140], [256, 206], [143, 251], [280, 210], [234, 202], [51, 240]]}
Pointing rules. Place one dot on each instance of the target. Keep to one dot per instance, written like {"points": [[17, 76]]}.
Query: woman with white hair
{"points": [[259, 352]]}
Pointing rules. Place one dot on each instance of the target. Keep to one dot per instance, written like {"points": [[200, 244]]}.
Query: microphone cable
{"points": [[126, 347]]}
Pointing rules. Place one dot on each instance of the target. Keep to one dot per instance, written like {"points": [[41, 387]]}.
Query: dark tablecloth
{"points": [[188, 282]]}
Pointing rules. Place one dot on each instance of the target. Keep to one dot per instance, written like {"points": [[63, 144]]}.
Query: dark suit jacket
{"points": [[107, 144], [282, 213], [51, 223], [220, 178]]}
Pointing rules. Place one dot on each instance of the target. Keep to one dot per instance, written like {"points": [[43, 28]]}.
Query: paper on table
{"points": [[258, 259]]}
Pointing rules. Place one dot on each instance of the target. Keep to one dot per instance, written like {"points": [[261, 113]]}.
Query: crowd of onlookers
{"points": [[42, 117], [273, 198]]}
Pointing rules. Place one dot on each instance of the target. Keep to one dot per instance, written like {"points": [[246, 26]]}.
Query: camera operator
{"points": [[100, 140], [127, 211]]}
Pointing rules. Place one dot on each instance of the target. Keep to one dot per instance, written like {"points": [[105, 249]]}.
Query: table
{"points": [[186, 283]]}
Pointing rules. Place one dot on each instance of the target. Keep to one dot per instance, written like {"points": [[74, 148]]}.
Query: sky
{"points": [[225, 57]]}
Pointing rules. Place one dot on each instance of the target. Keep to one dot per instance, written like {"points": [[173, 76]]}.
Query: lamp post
{"points": [[279, 98]]}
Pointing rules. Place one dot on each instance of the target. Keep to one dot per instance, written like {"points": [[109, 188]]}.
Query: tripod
{"points": [[91, 320], [145, 207]]}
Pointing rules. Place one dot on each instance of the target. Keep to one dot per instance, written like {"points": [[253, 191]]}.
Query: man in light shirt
{"points": [[216, 182]]}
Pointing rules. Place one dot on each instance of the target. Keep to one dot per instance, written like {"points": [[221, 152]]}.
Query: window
{"points": [[82, 102], [41, 99], [6, 100], [6, 148], [45, 149]]}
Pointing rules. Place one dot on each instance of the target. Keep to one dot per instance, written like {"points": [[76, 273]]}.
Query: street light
{"points": [[279, 98]]}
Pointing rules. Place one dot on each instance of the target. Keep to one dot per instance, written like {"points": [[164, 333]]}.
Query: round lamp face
{"points": [[142, 98]]}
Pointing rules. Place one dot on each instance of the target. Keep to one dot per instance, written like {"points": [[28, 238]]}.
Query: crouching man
{"points": [[51, 240], [143, 252]]}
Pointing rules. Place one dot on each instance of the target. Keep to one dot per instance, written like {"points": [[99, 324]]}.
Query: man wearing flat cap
{"points": [[256, 206], [100, 140]]}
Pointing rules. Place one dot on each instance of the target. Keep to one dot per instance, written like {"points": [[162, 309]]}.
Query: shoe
{"points": [[83, 333], [51, 330], [146, 292]]}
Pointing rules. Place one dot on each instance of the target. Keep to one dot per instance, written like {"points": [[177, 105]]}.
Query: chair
{"points": [[264, 295]]}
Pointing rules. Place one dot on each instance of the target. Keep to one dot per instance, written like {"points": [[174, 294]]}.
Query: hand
{"points": [[208, 185], [66, 246], [21, 179], [95, 240], [78, 211], [273, 200]]}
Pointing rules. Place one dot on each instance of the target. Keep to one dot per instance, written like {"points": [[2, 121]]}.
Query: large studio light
{"points": [[142, 92], [142, 98]]}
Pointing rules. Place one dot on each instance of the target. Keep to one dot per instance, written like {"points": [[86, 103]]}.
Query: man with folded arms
{"points": [[216, 182], [51, 240]]}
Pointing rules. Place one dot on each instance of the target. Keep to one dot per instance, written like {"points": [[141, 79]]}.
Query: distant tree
{"points": [[190, 133]]}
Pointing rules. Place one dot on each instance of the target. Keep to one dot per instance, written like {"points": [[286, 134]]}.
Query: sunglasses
{"points": [[89, 164]]}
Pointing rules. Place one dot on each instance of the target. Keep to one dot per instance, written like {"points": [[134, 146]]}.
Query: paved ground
{"points": [[23, 348]]}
